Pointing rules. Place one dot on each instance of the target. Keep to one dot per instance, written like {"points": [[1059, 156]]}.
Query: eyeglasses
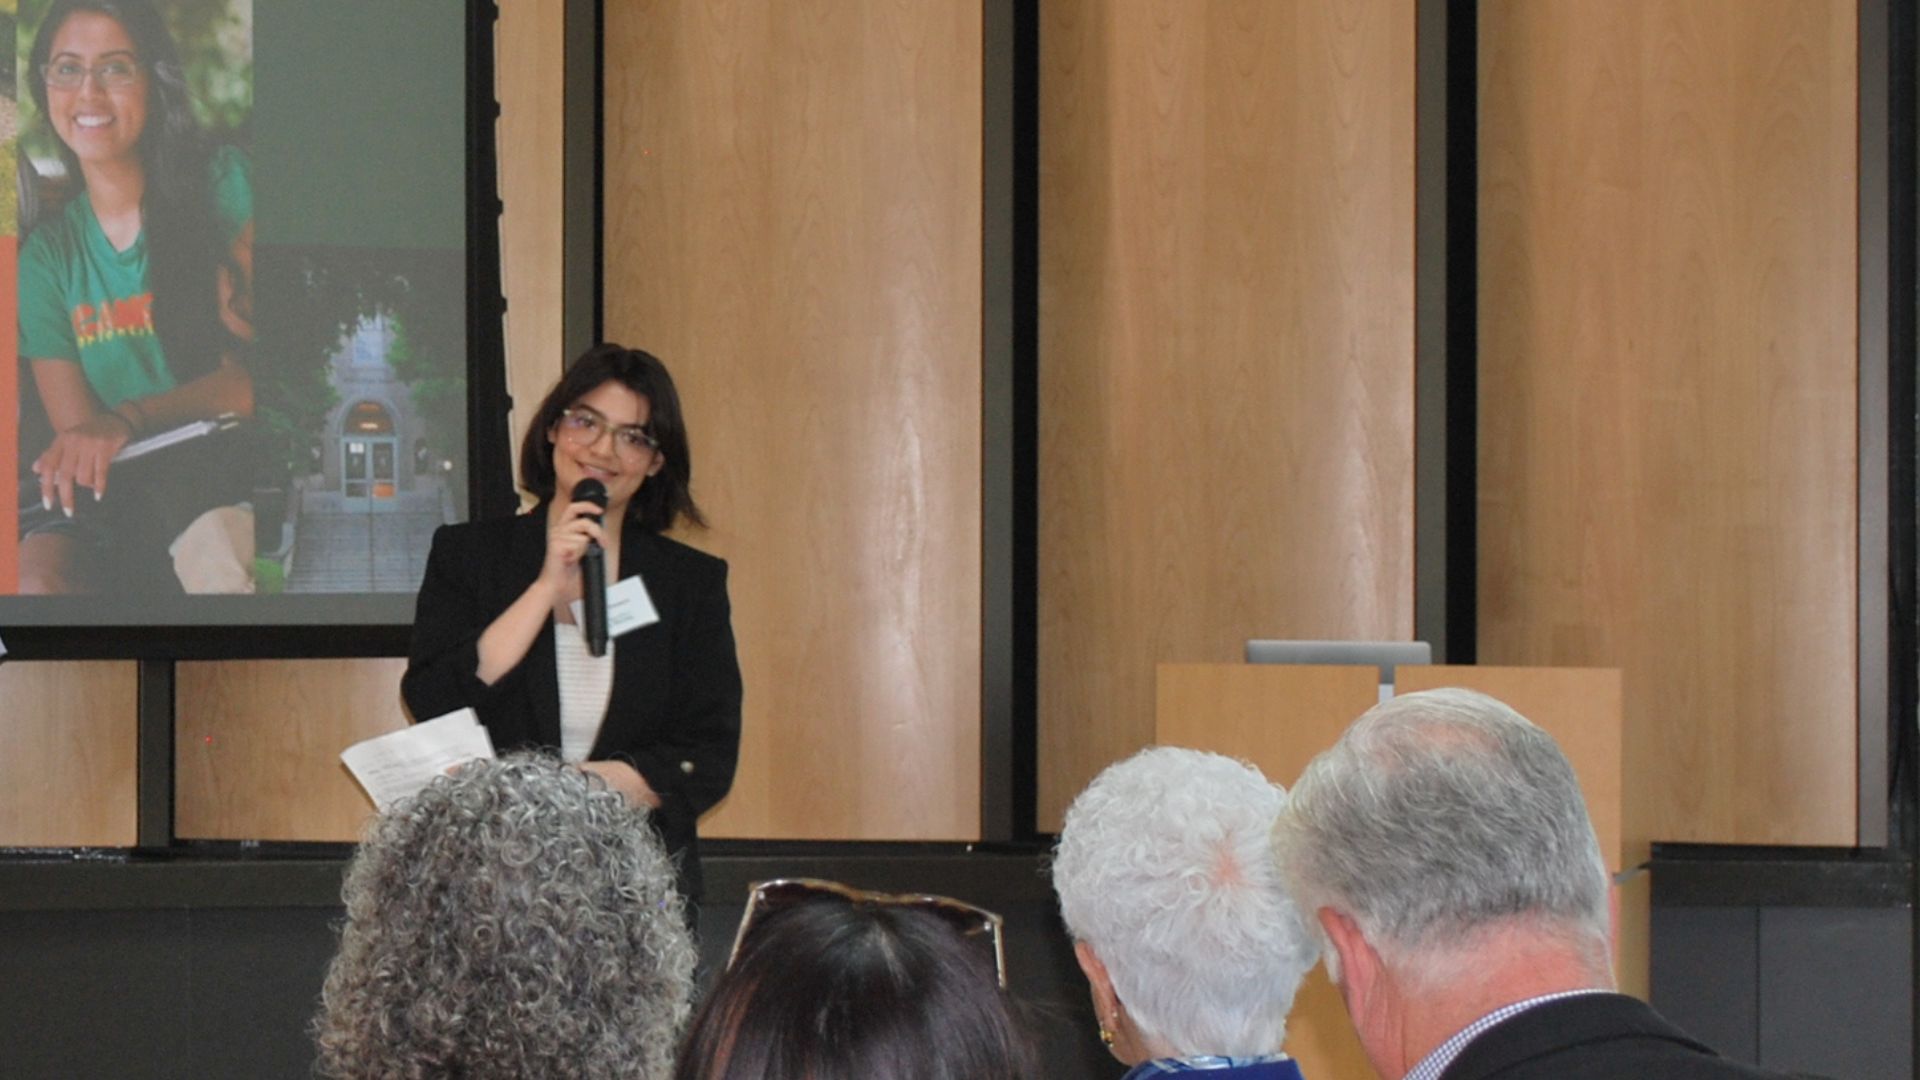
{"points": [[976, 925], [583, 427], [116, 74]]}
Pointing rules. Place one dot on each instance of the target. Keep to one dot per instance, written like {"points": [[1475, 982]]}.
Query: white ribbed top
{"points": [[586, 684]]}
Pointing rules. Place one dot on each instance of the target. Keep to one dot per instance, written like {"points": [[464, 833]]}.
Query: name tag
{"points": [[628, 608]]}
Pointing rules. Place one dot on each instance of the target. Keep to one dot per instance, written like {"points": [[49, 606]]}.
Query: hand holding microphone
{"points": [[593, 572], [576, 525]]}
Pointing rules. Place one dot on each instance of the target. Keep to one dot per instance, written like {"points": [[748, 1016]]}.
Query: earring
{"points": [[1106, 1037]]}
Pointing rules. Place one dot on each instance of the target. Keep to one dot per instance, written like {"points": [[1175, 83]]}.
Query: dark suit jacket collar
{"points": [[1558, 1025]]}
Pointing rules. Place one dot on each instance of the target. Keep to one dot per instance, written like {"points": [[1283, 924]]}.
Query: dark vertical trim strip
{"points": [[1025, 735], [154, 768], [581, 107], [1873, 703], [1463, 331], [1430, 219], [599, 330], [1026, 411], [489, 457], [997, 168], [1903, 408], [1903, 439], [1758, 1034]]}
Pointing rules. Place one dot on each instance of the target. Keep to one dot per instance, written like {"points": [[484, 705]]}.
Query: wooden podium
{"points": [[1279, 716]]}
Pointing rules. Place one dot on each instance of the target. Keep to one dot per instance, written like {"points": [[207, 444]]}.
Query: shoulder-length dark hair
{"points": [[836, 990], [185, 247], [666, 496]]}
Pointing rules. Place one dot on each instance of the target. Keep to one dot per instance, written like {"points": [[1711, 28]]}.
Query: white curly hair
{"points": [[1164, 869], [516, 919]]}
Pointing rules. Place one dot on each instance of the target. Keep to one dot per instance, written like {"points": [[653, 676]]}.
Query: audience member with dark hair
{"points": [[1190, 944], [829, 983], [514, 920]]}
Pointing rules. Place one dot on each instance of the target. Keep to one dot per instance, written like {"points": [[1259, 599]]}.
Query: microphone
{"points": [[593, 571]]}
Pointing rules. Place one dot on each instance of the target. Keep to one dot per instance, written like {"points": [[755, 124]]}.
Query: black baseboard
{"points": [[209, 961], [1717, 875]]}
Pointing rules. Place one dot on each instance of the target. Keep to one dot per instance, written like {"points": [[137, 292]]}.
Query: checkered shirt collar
{"points": [[1435, 1063]]}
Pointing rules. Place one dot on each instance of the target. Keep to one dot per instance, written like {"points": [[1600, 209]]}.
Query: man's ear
{"points": [[1357, 962], [1106, 1003]]}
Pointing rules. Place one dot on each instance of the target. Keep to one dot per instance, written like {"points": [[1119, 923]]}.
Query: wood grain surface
{"points": [[530, 55], [1226, 347], [793, 216], [1667, 390], [1277, 716], [69, 748], [257, 745]]}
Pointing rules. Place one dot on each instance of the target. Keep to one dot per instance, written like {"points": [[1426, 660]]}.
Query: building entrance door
{"points": [[368, 458]]}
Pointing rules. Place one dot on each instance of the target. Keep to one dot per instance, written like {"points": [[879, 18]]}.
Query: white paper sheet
{"points": [[395, 765]]}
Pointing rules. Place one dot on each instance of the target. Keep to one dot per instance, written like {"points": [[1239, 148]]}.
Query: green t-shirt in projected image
{"points": [[83, 301]]}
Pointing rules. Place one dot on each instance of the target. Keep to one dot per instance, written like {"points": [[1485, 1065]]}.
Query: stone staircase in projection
{"points": [[357, 551]]}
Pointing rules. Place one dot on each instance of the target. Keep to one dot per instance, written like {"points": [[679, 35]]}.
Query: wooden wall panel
{"points": [[1278, 716], [257, 746], [793, 219], [258, 743], [529, 56], [1226, 347], [68, 754], [1667, 390]]}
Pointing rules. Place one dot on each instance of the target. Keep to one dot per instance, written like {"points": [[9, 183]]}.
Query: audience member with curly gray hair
{"points": [[517, 919], [1191, 946], [1445, 849]]}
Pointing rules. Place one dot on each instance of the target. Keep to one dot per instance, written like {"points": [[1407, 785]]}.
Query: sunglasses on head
{"points": [[976, 925]]}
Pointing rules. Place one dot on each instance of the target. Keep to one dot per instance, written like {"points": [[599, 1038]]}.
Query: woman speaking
{"points": [[658, 715]]}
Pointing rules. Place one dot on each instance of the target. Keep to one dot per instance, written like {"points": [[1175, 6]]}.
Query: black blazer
{"points": [[1593, 1037], [674, 710]]}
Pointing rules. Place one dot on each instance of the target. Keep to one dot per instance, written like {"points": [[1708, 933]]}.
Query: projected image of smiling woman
{"points": [[135, 308]]}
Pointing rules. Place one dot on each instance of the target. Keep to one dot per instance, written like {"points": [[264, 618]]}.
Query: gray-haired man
{"points": [[1446, 851]]}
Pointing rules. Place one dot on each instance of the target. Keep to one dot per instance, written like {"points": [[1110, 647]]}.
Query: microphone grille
{"points": [[590, 490]]}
